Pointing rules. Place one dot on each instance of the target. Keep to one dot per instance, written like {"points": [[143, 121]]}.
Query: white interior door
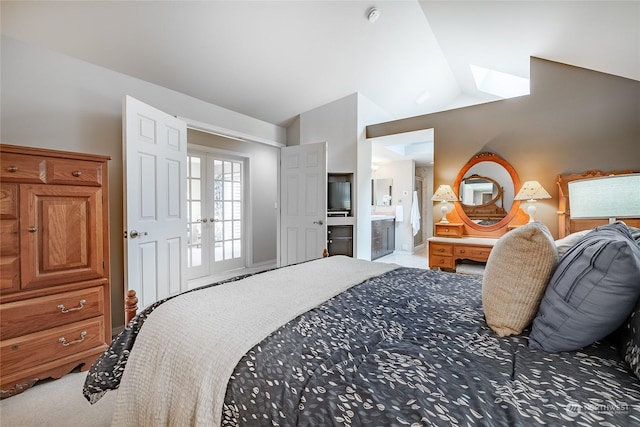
{"points": [[155, 219], [303, 195]]}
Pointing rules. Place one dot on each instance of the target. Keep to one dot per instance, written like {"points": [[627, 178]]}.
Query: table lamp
{"points": [[613, 196], [444, 194], [532, 191]]}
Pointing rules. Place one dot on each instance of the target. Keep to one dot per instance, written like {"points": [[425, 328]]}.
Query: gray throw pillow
{"points": [[630, 340], [593, 290], [567, 242]]}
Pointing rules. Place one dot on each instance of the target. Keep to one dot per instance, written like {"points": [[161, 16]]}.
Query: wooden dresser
{"points": [[445, 252], [55, 311]]}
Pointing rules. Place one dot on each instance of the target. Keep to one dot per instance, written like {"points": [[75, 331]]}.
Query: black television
{"points": [[339, 198]]}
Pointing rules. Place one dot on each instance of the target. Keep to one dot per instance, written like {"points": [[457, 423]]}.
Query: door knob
{"points": [[319, 222], [135, 234]]}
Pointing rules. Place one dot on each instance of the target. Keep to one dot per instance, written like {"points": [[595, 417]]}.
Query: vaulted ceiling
{"points": [[273, 60]]}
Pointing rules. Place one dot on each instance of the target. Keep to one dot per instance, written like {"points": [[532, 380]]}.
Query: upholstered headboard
{"points": [[566, 225]]}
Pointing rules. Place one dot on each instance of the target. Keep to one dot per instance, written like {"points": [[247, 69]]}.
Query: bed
{"points": [[341, 341]]}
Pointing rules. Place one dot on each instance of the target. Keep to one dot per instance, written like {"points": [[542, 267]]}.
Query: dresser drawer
{"points": [[21, 168], [441, 261], [440, 249], [74, 172], [37, 314], [8, 201], [475, 253], [45, 346], [449, 230]]}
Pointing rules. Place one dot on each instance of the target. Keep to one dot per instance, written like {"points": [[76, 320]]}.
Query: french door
{"points": [[216, 214]]}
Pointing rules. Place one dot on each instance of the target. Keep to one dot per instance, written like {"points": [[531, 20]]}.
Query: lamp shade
{"points": [[614, 196], [444, 193], [532, 190]]}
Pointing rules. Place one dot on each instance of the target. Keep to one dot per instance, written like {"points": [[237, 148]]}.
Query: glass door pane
{"points": [[228, 206], [196, 228], [194, 201], [215, 209]]}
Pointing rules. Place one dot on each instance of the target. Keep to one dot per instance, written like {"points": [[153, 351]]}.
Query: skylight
{"points": [[411, 148], [498, 83]]}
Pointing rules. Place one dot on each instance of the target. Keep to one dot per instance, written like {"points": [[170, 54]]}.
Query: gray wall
{"points": [[54, 101], [573, 120]]}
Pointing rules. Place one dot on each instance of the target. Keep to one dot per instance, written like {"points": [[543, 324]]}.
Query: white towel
{"points": [[399, 213], [415, 214]]}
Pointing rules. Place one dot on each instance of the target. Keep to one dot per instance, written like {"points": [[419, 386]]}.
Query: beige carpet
{"points": [[57, 403]]}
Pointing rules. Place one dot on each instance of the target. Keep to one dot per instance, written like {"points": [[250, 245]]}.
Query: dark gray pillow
{"points": [[635, 234], [630, 340], [592, 291]]}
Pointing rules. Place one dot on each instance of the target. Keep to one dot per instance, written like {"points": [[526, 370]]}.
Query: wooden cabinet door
{"points": [[61, 234]]}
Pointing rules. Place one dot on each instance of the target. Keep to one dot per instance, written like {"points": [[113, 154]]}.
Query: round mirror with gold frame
{"points": [[486, 188]]}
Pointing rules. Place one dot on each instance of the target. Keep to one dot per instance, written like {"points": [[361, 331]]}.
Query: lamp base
{"points": [[531, 210], [444, 209]]}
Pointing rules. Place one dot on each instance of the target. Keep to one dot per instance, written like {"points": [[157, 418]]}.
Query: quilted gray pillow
{"points": [[592, 291]]}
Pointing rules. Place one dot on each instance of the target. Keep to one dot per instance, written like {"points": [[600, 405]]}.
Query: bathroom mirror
{"points": [[381, 191], [486, 187]]}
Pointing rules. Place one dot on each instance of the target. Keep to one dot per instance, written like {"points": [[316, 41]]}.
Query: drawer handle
{"points": [[462, 251], [64, 342], [441, 250], [77, 174], [63, 309], [12, 169]]}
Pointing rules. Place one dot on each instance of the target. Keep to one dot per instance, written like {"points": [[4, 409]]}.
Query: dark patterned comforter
{"points": [[409, 347]]}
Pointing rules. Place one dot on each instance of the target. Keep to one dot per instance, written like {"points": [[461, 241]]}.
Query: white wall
{"points": [[334, 123], [368, 113], [54, 101], [342, 125]]}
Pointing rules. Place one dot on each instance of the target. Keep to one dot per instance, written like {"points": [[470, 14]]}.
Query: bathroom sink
{"points": [[377, 217]]}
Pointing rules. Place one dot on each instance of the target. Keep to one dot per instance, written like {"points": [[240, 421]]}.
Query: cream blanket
{"points": [[178, 369]]}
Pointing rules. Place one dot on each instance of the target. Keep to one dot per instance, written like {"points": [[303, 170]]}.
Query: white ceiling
{"points": [[274, 60]]}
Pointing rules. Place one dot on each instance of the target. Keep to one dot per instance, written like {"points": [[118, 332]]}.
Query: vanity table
{"points": [[445, 252], [485, 187]]}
